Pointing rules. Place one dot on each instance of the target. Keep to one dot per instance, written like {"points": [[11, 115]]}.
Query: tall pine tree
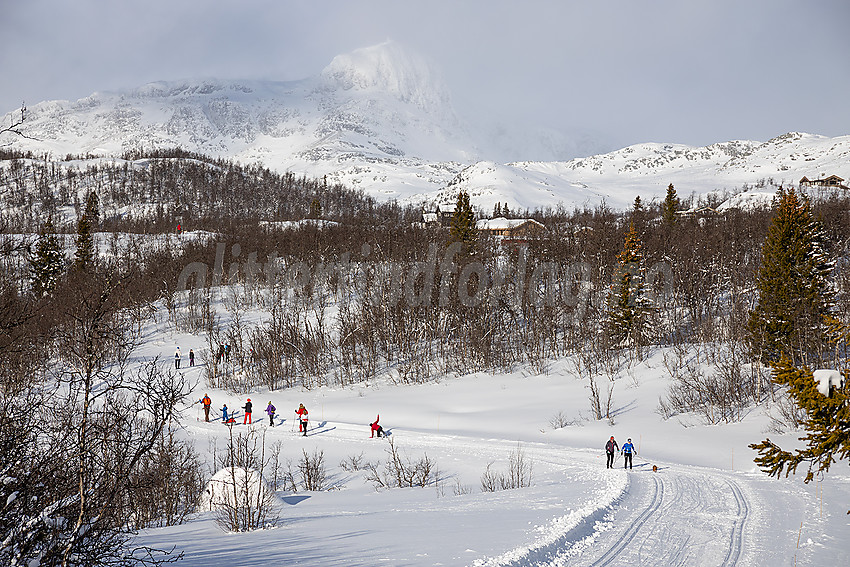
{"points": [[93, 210], [463, 222], [85, 255], [827, 418], [670, 207], [629, 309], [47, 262], [794, 288]]}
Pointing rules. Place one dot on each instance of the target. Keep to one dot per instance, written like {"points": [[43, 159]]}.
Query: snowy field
{"points": [[707, 504]]}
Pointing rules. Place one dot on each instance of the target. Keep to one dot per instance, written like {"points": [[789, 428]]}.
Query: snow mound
{"points": [[749, 201], [222, 492]]}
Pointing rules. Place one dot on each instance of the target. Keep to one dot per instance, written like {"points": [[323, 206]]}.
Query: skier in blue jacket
{"points": [[628, 449]]}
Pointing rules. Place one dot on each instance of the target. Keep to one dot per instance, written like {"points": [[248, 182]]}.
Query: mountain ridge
{"points": [[381, 119]]}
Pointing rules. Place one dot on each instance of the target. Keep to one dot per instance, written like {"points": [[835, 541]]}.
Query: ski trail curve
{"points": [[693, 517], [688, 516], [626, 539], [737, 538]]}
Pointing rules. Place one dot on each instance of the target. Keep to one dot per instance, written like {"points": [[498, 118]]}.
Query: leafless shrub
{"points": [[664, 409], [312, 469], [490, 479], [519, 474], [353, 463], [165, 488], [560, 420], [601, 404], [787, 416], [242, 499], [399, 471], [461, 489], [722, 396]]}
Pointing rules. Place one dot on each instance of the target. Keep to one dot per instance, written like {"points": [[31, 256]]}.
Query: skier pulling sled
{"points": [[228, 418]]}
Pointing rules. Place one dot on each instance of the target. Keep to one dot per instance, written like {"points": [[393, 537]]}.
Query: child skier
{"points": [[301, 412], [376, 428], [224, 413], [611, 447], [191, 357], [247, 407], [628, 449], [270, 409]]}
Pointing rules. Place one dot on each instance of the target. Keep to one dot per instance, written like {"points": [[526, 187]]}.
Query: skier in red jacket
{"points": [[376, 428], [247, 407], [301, 412]]}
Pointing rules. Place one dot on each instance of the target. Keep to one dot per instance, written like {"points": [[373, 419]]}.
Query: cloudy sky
{"points": [[610, 73]]}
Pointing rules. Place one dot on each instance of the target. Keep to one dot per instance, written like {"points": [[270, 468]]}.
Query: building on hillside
{"points": [[445, 213], [440, 217], [429, 220], [831, 182], [511, 230], [698, 212]]}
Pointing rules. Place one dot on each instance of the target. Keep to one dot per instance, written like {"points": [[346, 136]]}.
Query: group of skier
{"points": [[628, 450], [177, 357], [302, 415]]}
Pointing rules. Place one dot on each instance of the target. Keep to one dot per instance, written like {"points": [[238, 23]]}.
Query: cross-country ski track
{"points": [[575, 513]]}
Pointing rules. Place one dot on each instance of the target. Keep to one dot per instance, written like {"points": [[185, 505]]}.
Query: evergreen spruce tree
{"points": [[93, 210], [463, 222], [315, 209], [497, 210], [629, 309], [84, 256], [47, 263], [670, 206], [793, 283], [638, 214], [827, 420]]}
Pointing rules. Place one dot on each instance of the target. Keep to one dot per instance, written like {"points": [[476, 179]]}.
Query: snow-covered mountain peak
{"points": [[186, 89], [391, 68]]}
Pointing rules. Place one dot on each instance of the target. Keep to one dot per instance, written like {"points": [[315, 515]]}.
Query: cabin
{"points": [[429, 220], [440, 217], [831, 182], [514, 230], [698, 212], [445, 214]]}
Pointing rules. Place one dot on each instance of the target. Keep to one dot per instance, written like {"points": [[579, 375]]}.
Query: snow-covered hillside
{"points": [[647, 169], [706, 504], [381, 119]]}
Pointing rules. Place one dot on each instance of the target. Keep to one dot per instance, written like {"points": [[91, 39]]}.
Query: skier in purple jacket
{"points": [[611, 447]]}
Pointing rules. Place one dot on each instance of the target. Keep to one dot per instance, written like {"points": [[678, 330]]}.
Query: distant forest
{"points": [[542, 298]]}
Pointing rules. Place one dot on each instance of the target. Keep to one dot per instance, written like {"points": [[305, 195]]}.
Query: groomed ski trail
{"points": [[678, 516]]}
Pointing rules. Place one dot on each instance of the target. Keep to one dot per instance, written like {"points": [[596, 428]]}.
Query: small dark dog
{"points": [[654, 468]]}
